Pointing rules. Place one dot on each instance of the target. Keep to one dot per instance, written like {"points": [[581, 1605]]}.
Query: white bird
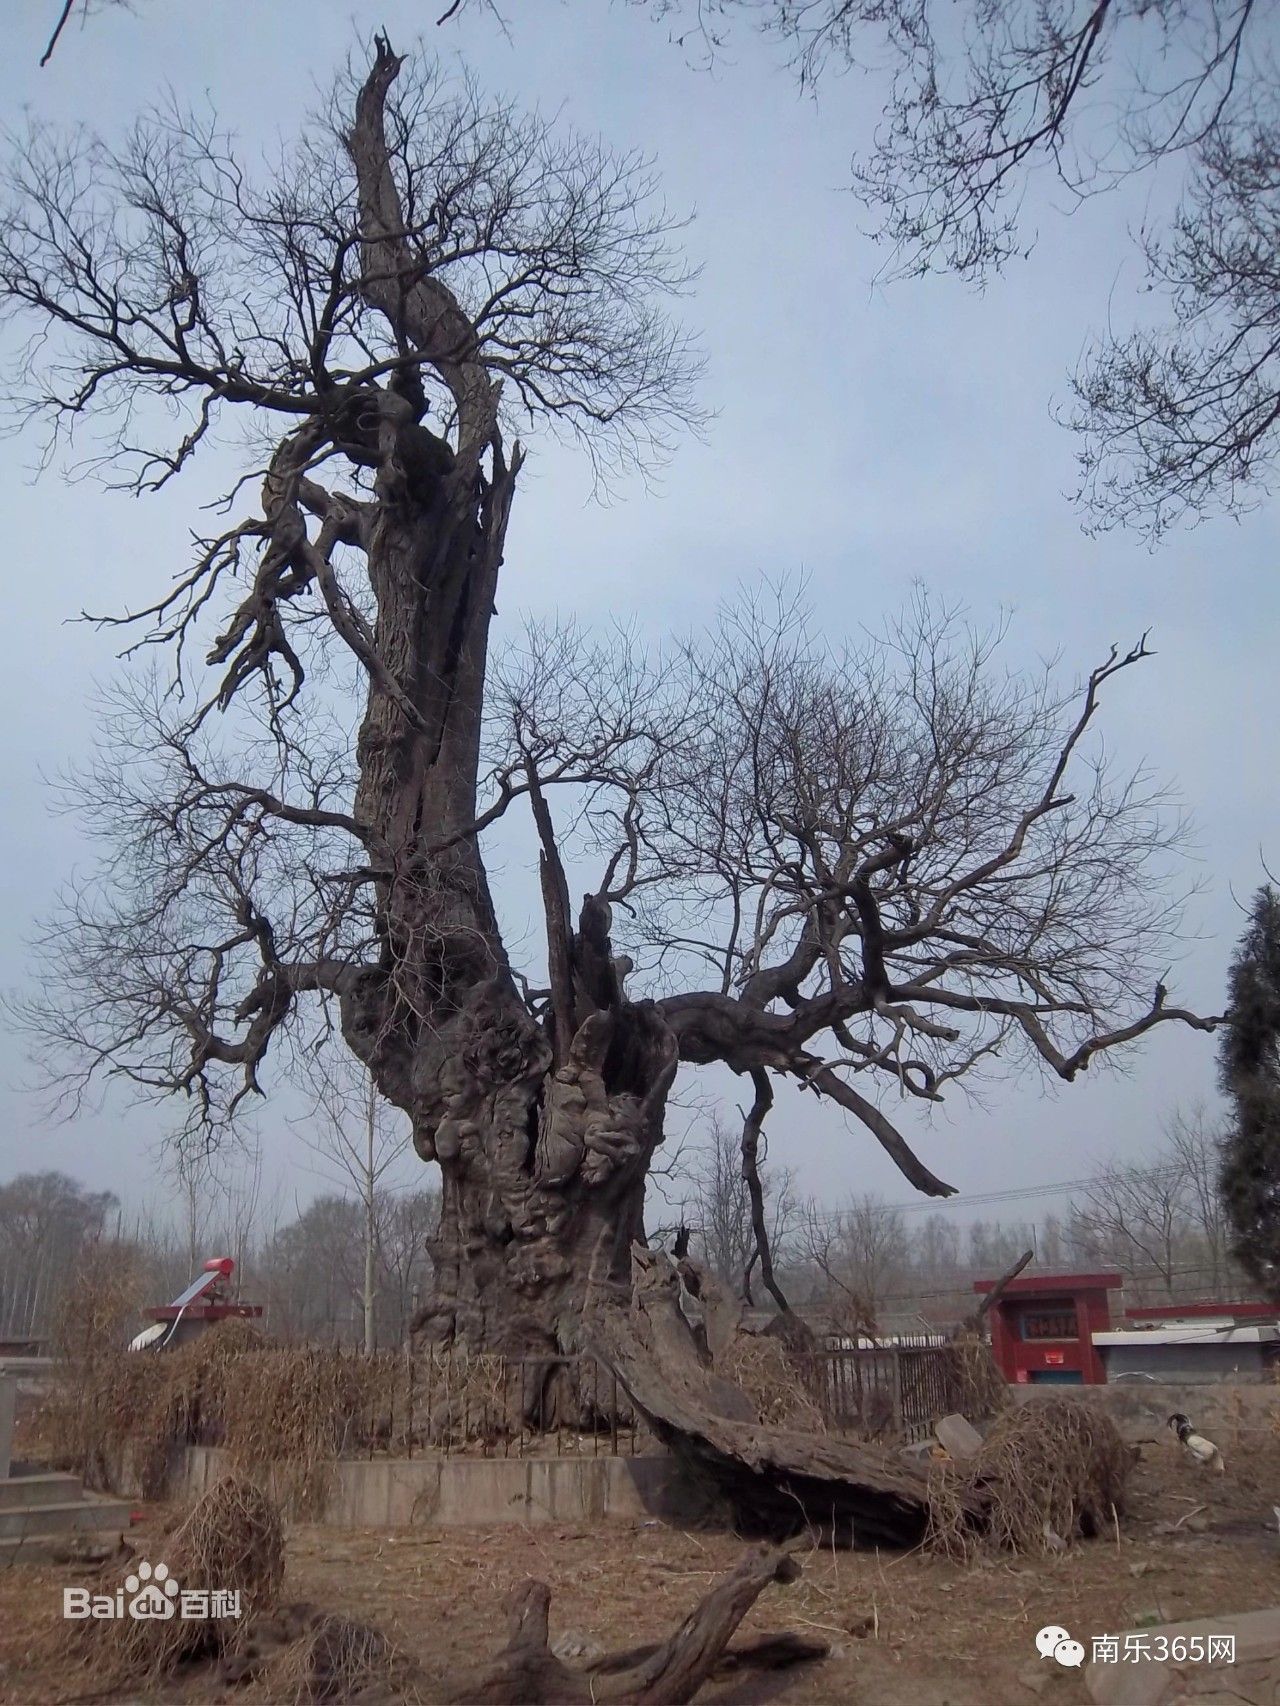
{"points": [[1199, 1449]]}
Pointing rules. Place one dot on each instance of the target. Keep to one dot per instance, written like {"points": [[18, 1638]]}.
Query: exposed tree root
{"points": [[778, 1481], [526, 1671]]}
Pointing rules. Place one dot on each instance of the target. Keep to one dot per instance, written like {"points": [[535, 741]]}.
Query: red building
{"points": [[1042, 1327]]}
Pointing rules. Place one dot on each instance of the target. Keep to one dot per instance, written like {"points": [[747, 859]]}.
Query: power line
{"points": [[918, 1205]]}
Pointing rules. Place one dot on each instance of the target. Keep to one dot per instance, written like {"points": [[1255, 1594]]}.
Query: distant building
{"points": [[1044, 1327], [1193, 1342]]}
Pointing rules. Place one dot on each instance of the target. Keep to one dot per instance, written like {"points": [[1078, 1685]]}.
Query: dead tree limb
{"points": [[777, 1482], [752, 1129], [527, 1673], [973, 1323], [329, 1657]]}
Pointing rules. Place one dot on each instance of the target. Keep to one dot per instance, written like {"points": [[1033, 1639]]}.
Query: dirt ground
{"points": [[905, 1629]]}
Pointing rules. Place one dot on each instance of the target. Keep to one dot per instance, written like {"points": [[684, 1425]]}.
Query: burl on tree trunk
{"points": [[543, 1169]]}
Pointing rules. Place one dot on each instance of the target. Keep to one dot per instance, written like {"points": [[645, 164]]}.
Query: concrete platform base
{"points": [[472, 1491], [20, 1491], [45, 1517]]}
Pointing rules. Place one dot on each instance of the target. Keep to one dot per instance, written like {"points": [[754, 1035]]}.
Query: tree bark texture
{"points": [[777, 1481], [543, 1127], [543, 1130]]}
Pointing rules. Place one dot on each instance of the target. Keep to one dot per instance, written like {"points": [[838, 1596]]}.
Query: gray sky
{"points": [[866, 437]]}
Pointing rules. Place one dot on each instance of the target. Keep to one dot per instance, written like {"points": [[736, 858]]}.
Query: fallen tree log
{"points": [[527, 1671], [332, 1658], [777, 1482]]}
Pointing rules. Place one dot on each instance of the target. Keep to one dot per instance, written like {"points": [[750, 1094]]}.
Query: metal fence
{"points": [[450, 1403], [895, 1391]]}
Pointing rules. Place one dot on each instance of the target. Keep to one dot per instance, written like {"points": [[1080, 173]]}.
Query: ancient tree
{"points": [[888, 866]]}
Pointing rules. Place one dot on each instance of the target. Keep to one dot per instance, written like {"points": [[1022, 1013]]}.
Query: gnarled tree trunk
{"points": [[543, 1126], [543, 1169]]}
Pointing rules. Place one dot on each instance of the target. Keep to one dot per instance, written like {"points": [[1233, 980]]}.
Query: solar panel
{"points": [[199, 1285]]}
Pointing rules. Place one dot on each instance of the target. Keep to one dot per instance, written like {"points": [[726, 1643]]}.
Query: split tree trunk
{"points": [[543, 1126], [543, 1121]]}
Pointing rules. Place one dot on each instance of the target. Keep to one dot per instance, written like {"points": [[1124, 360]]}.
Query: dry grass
{"points": [[776, 1382], [94, 1316], [290, 1413], [338, 1659], [792, 1390], [283, 1413], [1047, 1472], [112, 1402], [232, 1541], [979, 1388]]}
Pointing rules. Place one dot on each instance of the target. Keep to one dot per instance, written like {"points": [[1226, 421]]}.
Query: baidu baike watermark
{"points": [[153, 1592], [1054, 1642]]}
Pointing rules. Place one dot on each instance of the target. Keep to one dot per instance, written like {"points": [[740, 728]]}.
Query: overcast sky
{"points": [[866, 437]]}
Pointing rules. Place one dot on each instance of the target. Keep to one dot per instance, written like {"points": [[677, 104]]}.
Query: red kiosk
{"points": [[1042, 1327]]}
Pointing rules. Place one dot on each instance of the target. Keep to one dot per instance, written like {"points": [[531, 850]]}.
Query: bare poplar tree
{"points": [[861, 1253], [362, 1138], [1193, 1143], [192, 1187], [891, 865], [45, 1220], [1138, 1219], [719, 1212]]}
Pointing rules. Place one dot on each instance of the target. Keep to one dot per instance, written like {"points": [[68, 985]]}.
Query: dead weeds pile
{"points": [[95, 1313], [1047, 1472], [114, 1405], [231, 1543], [975, 1384], [776, 1382], [291, 1412], [333, 1658]]}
